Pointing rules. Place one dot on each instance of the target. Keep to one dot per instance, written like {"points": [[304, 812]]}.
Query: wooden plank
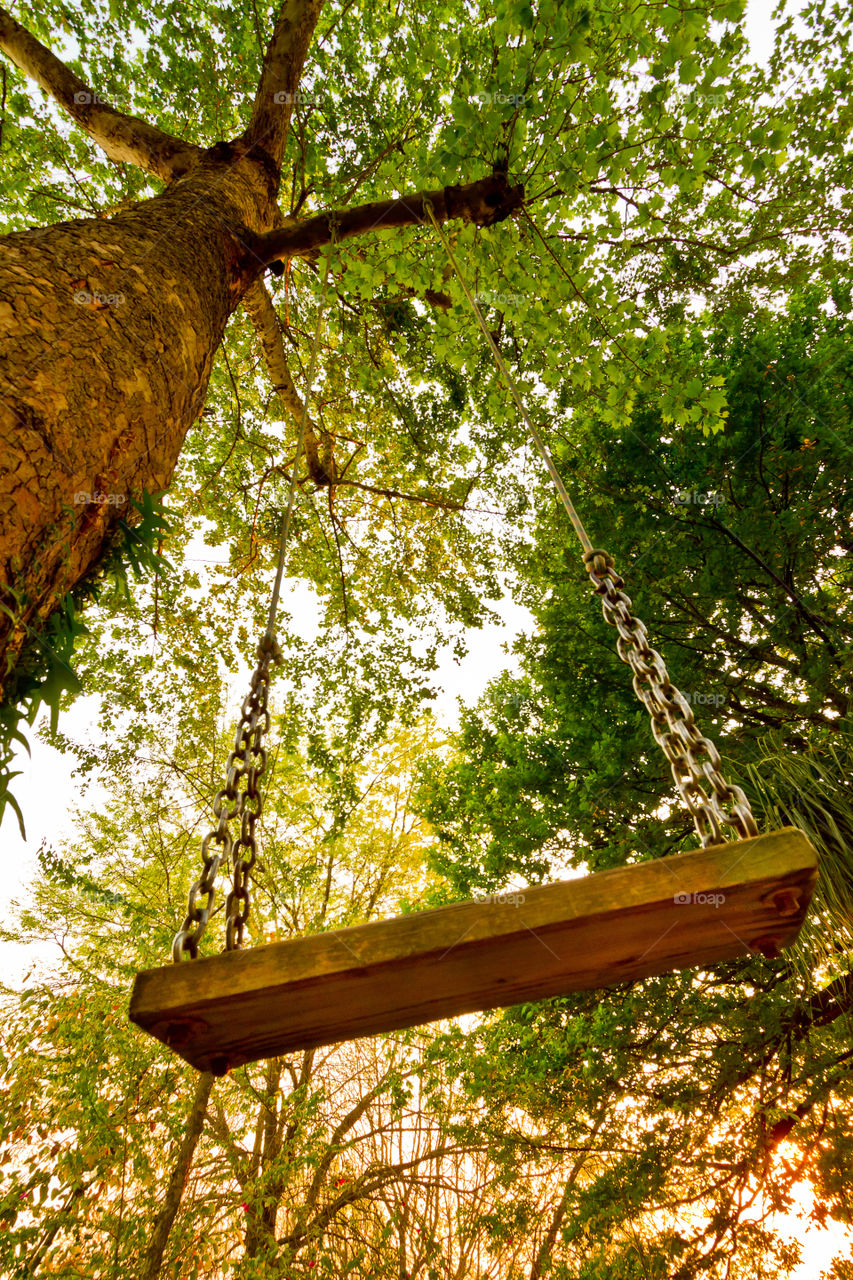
{"points": [[695, 908]]}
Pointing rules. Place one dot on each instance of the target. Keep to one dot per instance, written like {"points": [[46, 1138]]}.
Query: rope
{"points": [[535, 434], [300, 440]]}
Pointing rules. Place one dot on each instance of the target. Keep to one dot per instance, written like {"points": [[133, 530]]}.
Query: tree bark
{"points": [[108, 333], [260, 1221], [153, 1260]]}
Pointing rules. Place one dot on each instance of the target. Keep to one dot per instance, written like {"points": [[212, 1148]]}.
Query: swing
{"points": [[715, 903]]}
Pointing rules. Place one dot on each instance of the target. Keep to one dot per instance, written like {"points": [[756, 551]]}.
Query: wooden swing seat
{"points": [[694, 908]]}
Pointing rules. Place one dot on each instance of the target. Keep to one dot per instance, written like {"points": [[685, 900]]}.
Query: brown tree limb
{"points": [[336, 1140], [278, 90], [819, 1010], [152, 1262], [260, 1223], [428, 499], [485, 202], [371, 1181], [124, 139], [317, 445], [541, 1263], [799, 603], [260, 310]]}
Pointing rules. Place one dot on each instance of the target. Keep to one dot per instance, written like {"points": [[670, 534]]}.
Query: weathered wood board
{"points": [[692, 909]]}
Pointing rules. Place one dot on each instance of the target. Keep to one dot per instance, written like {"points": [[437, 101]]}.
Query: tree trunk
{"points": [[152, 1262], [260, 1222], [109, 330]]}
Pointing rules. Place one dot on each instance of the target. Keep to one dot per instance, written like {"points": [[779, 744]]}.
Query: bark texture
{"points": [[108, 332]]}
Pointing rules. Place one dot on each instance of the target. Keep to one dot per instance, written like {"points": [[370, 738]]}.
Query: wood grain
{"points": [[692, 909]]}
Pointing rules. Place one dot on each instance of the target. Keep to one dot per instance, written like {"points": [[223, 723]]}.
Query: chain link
{"points": [[239, 800], [695, 762]]}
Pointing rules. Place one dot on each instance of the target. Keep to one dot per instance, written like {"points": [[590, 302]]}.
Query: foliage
{"points": [[652, 303], [811, 791], [43, 675], [734, 546]]}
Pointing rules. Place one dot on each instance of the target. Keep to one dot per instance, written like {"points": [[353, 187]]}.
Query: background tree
{"points": [[735, 547]]}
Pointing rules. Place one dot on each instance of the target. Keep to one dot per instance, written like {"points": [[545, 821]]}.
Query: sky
{"points": [[48, 793]]}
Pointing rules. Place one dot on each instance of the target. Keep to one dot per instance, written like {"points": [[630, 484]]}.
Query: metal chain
{"points": [[239, 800], [693, 758], [254, 723], [695, 762]]}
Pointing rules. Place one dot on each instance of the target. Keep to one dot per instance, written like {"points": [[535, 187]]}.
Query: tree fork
{"points": [[109, 330]]}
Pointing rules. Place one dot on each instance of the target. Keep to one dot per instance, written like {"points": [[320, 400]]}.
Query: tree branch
{"points": [[819, 1010], [542, 1261], [278, 90], [428, 499], [152, 1263], [814, 622], [484, 202], [123, 139], [262, 313]]}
